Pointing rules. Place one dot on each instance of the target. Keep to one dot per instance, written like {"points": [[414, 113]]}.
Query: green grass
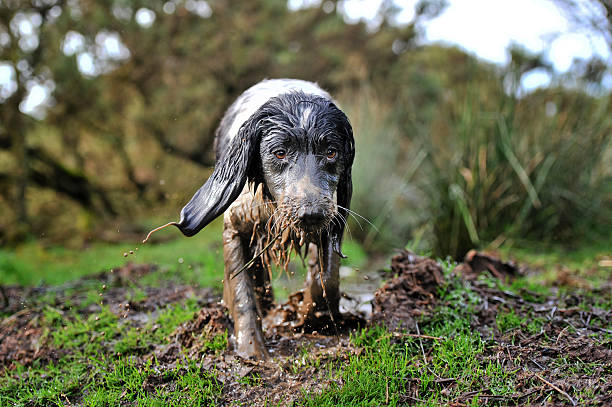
{"points": [[32, 264], [386, 368], [100, 354], [390, 364], [125, 381], [197, 260], [582, 260], [507, 321], [99, 364]]}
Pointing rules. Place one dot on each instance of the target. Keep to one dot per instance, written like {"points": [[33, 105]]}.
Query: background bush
{"points": [[451, 152]]}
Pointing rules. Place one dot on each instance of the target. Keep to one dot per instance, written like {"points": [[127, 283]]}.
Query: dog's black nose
{"points": [[310, 216]]}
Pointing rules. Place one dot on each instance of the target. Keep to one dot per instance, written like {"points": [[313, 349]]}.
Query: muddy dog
{"points": [[283, 181]]}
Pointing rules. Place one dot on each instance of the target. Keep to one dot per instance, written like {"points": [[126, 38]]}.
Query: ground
{"points": [[437, 332]]}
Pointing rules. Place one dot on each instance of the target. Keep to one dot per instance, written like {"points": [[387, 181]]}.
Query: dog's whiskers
{"points": [[342, 220], [355, 214]]}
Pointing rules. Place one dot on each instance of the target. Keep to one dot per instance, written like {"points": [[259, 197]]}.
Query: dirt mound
{"points": [[477, 263], [410, 294]]}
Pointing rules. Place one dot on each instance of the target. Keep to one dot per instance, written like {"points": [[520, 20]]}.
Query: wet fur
{"points": [[298, 202]]}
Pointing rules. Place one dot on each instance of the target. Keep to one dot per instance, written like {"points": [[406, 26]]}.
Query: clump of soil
{"points": [[477, 263], [411, 294]]}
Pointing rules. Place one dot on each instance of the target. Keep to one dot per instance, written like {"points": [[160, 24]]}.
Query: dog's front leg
{"points": [[318, 296], [238, 291]]}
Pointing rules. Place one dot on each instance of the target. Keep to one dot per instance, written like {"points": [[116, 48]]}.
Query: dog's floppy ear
{"points": [[224, 185], [345, 187]]}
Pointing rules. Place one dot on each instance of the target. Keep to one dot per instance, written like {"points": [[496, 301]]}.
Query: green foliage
{"points": [[40, 386], [449, 158], [504, 170], [383, 172], [390, 362], [88, 334]]}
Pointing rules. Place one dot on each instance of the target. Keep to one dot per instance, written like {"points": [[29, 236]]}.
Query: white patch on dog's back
{"points": [[254, 97]]}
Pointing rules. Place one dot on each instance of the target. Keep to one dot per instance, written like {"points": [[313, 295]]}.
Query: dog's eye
{"points": [[280, 154], [331, 153]]}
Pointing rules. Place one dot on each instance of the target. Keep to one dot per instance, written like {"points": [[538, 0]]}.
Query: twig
{"points": [[250, 262], [494, 396], [386, 392], [420, 341], [537, 364], [556, 388], [403, 335], [437, 338], [156, 229], [414, 398]]}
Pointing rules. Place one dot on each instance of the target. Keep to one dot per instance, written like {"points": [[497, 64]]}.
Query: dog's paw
{"points": [[250, 347]]}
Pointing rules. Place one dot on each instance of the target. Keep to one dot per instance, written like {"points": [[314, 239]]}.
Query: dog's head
{"points": [[301, 148]]}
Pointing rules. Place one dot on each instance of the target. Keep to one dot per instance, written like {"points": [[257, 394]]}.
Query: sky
{"points": [[484, 28]]}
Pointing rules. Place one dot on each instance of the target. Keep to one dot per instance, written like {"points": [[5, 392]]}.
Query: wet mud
{"points": [[574, 326]]}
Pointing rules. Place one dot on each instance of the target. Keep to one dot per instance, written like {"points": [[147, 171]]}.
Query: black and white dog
{"points": [[283, 181]]}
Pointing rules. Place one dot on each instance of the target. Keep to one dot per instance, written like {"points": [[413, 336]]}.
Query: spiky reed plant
{"points": [[517, 172]]}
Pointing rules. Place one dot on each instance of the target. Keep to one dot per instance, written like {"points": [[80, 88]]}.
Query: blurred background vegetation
{"points": [[451, 152]]}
